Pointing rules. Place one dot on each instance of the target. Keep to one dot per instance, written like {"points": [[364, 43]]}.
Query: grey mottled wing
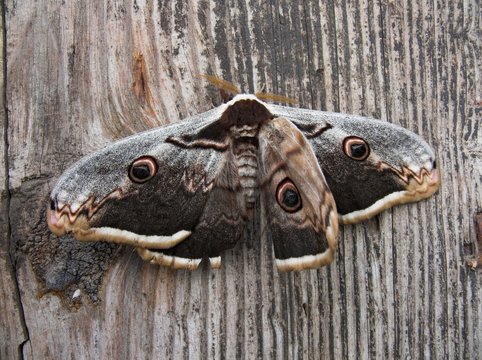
{"points": [[397, 167], [191, 192]]}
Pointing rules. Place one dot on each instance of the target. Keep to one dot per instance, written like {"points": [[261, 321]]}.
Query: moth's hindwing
{"points": [[300, 208], [219, 224]]}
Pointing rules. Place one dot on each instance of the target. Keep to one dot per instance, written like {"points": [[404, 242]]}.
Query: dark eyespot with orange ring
{"points": [[356, 148], [142, 169], [288, 196]]}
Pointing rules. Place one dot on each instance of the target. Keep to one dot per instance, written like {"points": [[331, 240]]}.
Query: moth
{"points": [[185, 192]]}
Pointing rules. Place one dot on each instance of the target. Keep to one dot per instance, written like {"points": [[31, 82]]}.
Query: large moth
{"points": [[184, 192]]}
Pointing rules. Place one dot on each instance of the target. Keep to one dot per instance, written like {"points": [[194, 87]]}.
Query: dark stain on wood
{"points": [[141, 83]]}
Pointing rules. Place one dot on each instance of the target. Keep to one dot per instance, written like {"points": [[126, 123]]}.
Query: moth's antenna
{"points": [[221, 84], [229, 87]]}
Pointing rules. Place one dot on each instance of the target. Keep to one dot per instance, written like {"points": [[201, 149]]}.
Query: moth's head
{"points": [[373, 166]]}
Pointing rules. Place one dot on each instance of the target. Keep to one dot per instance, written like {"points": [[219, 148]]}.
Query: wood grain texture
{"points": [[81, 74], [12, 332]]}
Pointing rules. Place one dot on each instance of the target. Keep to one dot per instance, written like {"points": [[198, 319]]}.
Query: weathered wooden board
{"points": [[12, 332], [83, 73]]}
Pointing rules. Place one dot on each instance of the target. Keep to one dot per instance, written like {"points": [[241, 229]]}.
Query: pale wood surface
{"points": [[12, 331], [83, 73]]}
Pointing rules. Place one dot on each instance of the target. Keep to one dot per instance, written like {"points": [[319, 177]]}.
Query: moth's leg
{"points": [[173, 262], [125, 237]]}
